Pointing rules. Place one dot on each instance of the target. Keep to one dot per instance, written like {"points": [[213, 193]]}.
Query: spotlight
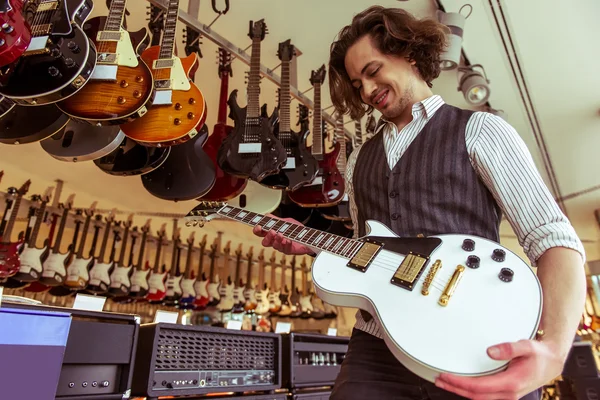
{"points": [[474, 85], [450, 58]]}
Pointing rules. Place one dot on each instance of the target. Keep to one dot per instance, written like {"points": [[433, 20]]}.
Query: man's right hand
{"points": [[280, 243]]}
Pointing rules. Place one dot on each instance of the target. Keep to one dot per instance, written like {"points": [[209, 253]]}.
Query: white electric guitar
{"points": [[227, 285], [78, 272], [139, 279], [100, 272], [258, 198], [213, 284], [120, 283], [262, 293], [481, 293]]}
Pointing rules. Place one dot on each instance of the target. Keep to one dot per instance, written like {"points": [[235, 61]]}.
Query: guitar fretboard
{"points": [[254, 81], [284, 102], [115, 15], [340, 137], [168, 40], [317, 144], [311, 237]]}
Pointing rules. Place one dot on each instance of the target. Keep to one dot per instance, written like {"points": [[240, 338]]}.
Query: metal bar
{"points": [[240, 54]]}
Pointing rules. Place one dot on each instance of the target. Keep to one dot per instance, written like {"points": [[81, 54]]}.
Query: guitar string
{"points": [[36, 20]]}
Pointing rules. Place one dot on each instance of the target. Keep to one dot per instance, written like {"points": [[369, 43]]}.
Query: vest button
{"points": [[392, 194], [395, 216]]}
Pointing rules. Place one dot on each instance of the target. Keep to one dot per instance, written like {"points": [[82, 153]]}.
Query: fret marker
{"points": [[257, 219], [270, 223], [227, 209], [242, 214], [284, 227], [302, 233], [321, 236]]}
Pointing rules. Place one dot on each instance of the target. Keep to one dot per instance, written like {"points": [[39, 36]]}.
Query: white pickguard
{"points": [[125, 52], [200, 287], [30, 260], [213, 291], [483, 311], [139, 280], [79, 270], [55, 264], [179, 79], [187, 288], [258, 198], [174, 286], [227, 301], [250, 296], [263, 302], [156, 283], [274, 300], [238, 295], [99, 274], [120, 277], [305, 304]]}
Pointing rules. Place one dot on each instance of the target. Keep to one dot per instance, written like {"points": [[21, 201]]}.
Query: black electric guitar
{"points": [[301, 167], [131, 158], [18, 127], [251, 149], [59, 59]]}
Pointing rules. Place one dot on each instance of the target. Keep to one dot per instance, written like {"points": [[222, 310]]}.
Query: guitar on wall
{"points": [[188, 295], [238, 292], [100, 272], [250, 290], [251, 149], [156, 282], [174, 292], [178, 110], [59, 59], [139, 279], [119, 278], [200, 285], [78, 273], [328, 188], [16, 35], [9, 251], [457, 277]]}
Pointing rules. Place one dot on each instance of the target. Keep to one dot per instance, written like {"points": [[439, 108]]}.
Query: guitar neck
{"points": [[39, 215], [13, 217], [116, 13], [317, 143], [86, 227], [104, 242], [341, 139], [254, 81], [124, 246], [222, 116], [308, 236], [156, 269], [167, 44], [188, 262], [284, 101], [61, 230]]}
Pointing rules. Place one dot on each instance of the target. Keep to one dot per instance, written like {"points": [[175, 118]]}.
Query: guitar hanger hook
{"points": [[214, 6]]}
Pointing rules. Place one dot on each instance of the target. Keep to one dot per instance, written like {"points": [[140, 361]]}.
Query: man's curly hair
{"points": [[395, 32]]}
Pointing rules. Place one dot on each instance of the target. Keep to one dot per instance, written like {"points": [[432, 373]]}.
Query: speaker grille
{"points": [[192, 350]]}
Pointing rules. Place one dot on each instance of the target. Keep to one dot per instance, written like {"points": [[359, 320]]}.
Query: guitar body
{"points": [[114, 94], [329, 310], [16, 41], [100, 278], [80, 141], [258, 198], [226, 186], [31, 260], [131, 158], [120, 282], [251, 301], [78, 273], [263, 302], [227, 301], [483, 310], [295, 307], [214, 289], [157, 290], [174, 291], [188, 295], [21, 125], [300, 169], [306, 306], [168, 123], [139, 284], [202, 298], [238, 300], [55, 269], [60, 66], [274, 302], [327, 189], [256, 160], [9, 258], [285, 310], [187, 173]]}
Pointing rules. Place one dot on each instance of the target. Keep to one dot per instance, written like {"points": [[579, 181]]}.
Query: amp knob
{"points": [[473, 262], [506, 275], [468, 245], [498, 255]]}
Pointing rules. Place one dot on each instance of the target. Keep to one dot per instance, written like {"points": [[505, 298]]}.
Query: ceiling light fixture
{"points": [[450, 57], [474, 85]]}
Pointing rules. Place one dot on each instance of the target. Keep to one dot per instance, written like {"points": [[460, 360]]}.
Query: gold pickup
{"points": [[47, 6]]}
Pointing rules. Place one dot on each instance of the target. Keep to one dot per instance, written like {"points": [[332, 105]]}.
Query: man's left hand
{"points": [[532, 365]]}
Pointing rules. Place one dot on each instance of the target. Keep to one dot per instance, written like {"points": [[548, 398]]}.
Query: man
{"points": [[432, 169]]}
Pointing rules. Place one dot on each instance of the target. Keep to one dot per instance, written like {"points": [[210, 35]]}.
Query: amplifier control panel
{"points": [[168, 380]]}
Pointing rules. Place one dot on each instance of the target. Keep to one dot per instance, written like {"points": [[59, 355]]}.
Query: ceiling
{"points": [[557, 55]]}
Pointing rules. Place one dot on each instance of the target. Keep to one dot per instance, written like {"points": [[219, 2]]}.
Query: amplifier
{"points": [[98, 361], [312, 360], [312, 396], [191, 360]]}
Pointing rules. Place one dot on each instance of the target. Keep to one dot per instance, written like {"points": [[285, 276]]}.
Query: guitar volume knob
{"points": [[74, 47], [6, 27], [53, 72], [473, 262], [69, 62], [498, 255], [506, 275], [468, 245]]}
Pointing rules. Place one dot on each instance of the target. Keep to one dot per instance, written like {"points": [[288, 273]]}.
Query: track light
{"points": [[450, 58], [474, 85]]}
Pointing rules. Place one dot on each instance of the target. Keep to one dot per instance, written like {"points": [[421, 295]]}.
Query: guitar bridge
{"points": [[365, 255], [410, 270]]}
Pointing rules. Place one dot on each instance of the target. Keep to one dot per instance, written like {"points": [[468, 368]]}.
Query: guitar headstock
{"points": [[146, 227], [135, 232], [258, 30], [176, 235], [283, 261], [24, 188], [293, 262], [204, 212], [318, 76], [202, 243], [78, 217], [302, 113], [303, 264], [191, 239], [224, 62], [91, 209], [156, 20], [36, 198], [69, 203], [227, 248], [250, 254], [273, 259], [98, 221], [213, 250], [238, 251], [110, 218], [286, 50], [162, 232], [129, 222], [261, 256]]}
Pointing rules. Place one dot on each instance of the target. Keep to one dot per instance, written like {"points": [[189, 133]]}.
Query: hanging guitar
{"points": [[100, 272], [18, 127], [131, 158], [274, 294], [238, 292], [54, 269], [119, 278], [201, 283], [156, 282], [328, 187], [284, 296], [78, 273], [457, 277], [139, 279], [174, 292], [213, 286], [15, 35], [262, 291], [178, 110], [9, 250], [250, 290], [301, 167], [226, 185], [60, 58], [226, 286], [251, 149], [121, 86], [188, 293]]}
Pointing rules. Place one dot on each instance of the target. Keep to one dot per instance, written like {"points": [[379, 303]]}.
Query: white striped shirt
{"points": [[504, 164]]}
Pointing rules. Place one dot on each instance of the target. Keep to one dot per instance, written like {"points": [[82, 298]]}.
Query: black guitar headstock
{"points": [[302, 114], [225, 62], [192, 42], [286, 50], [156, 23], [258, 29], [318, 76]]}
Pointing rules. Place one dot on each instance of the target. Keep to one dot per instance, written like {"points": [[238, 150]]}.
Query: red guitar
{"points": [[201, 301], [328, 187], [226, 186], [9, 251], [157, 290], [16, 33]]}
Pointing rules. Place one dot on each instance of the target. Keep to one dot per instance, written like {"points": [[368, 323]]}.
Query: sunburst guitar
{"points": [[178, 110], [120, 88]]}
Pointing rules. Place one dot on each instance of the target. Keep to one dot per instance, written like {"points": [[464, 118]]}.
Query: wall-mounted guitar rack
{"points": [[241, 54]]}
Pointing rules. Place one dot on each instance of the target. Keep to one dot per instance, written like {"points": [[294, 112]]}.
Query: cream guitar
{"points": [[78, 274], [274, 300], [284, 297], [139, 279], [100, 272], [263, 290], [54, 269], [226, 289], [238, 292], [258, 198]]}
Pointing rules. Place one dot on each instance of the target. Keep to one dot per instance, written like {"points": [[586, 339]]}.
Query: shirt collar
{"points": [[428, 107]]}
